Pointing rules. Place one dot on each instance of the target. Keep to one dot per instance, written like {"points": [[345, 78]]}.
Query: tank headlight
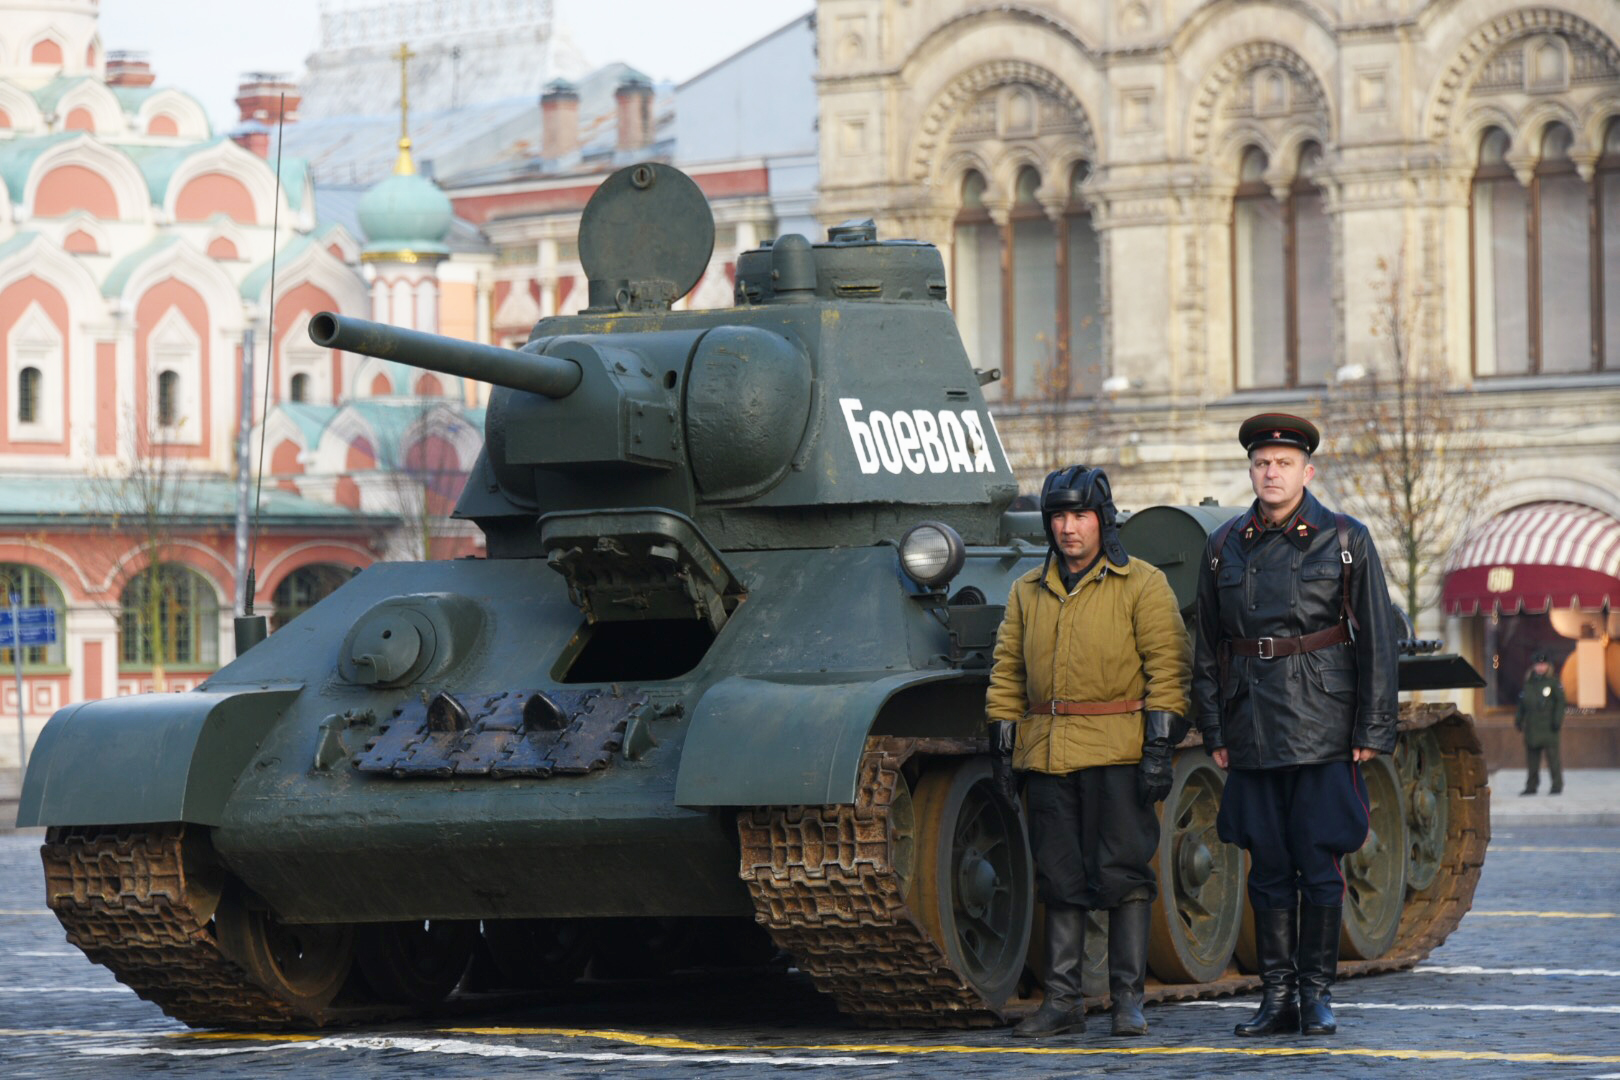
{"points": [[932, 553]]}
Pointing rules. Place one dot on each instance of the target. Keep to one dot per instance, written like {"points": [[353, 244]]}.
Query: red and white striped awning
{"points": [[1534, 557]]}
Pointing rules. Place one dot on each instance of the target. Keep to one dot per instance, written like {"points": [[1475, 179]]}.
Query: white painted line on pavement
{"points": [[468, 1048], [1469, 969], [26, 953], [1545, 914], [1430, 1007], [1517, 850], [65, 990]]}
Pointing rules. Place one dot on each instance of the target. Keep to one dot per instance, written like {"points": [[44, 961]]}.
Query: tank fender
{"points": [[152, 757], [789, 739]]}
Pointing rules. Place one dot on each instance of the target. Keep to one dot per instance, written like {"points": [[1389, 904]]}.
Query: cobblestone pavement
{"points": [[1529, 986]]}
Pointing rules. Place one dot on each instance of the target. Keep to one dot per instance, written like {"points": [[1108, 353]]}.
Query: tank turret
{"points": [[834, 403]]}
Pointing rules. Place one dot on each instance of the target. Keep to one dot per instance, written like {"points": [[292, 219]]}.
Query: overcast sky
{"points": [[202, 48]]}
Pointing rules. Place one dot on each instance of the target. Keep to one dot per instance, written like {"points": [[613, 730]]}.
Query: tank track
{"points": [[824, 883], [126, 898]]}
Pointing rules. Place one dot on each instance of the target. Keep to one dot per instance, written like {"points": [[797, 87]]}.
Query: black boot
{"points": [[1318, 963], [1064, 1009], [1274, 948], [1127, 965]]}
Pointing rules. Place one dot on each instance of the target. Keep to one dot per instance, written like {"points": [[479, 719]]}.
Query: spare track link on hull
{"points": [[824, 884], [123, 895]]}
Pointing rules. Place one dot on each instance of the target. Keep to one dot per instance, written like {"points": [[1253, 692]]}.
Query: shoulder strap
{"points": [[1220, 542], [1346, 560]]}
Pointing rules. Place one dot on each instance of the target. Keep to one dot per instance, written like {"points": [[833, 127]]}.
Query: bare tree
{"points": [[1070, 421], [140, 498], [1407, 452]]}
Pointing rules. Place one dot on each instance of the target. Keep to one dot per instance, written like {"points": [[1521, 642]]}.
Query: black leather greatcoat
{"points": [[1310, 707]]}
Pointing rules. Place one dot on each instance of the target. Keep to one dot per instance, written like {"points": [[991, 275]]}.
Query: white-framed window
{"points": [[174, 360], [306, 368], [35, 374]]}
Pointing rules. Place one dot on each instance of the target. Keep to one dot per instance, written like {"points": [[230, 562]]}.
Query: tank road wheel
{"points": [[1422, 769], [1375, 876], [540, 954], [303, 965], [415, 963], [1199, 910], [973, 886]]}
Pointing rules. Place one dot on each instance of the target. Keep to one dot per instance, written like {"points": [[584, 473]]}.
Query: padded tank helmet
{"points": [[1080, 488]]}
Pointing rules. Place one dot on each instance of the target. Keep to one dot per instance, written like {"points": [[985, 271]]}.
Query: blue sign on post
{"points": [[34, 626]]}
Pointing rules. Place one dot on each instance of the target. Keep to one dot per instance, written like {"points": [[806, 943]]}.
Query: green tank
{"points": [[723, 669]]}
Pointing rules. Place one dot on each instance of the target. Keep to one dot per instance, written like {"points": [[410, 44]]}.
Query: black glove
{"points": [[1001, 750], [1154, 772]]}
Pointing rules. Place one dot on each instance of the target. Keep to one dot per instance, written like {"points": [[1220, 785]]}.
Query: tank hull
{"points": [[325, 842]]}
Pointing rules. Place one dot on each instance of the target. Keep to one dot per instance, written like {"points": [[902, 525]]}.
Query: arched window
{"points": [[1310, 309], [1259, 264], [1282, 262], [299, 391], [1034, 357], [34, 589], [170, 611], [304, 588], [1608, 262], [28, 395], [1543, 299], [1080, 337], [168, 399], [1500, 242], [1028, 294], [1564, 263], [976, 278]]}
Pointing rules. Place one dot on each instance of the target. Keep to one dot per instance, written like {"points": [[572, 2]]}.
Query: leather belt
{"points": [[1081, 708], [1269, 648]]}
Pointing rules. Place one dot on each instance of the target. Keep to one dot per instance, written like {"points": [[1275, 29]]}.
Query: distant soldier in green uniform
{"points": [[1541, 715]]}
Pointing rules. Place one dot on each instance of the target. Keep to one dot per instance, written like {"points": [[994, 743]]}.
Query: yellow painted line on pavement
{"points": [[666, 1042], [28, 914], [1544, 914]]}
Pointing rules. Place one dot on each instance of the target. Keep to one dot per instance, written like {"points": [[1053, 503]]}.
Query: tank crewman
{"points": [[1294, 685], [1540, 717], [1088, 692]]}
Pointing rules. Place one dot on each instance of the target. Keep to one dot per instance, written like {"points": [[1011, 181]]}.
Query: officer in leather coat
{"points": [[1294, 684]]}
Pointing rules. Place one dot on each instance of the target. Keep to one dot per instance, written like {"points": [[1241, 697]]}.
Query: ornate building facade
{"points": [[1164, 215], [136, 252]]}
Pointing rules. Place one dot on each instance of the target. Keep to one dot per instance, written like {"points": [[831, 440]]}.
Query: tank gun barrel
{"points": [[549, 375]]}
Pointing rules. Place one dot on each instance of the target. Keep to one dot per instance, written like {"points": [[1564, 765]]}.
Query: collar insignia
{"points": [[1301, 532]]}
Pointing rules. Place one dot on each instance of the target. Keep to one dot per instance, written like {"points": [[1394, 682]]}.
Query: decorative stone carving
{"points": [[1593, 57], [1257, 79], [961, 98]]}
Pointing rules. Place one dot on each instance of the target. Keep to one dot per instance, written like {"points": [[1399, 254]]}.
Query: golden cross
{"points": [[404, 166]]}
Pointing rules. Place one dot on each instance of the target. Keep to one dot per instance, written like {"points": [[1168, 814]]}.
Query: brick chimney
{"points": [[126, 68], [259, 104], [559, 119], [634, 99]]}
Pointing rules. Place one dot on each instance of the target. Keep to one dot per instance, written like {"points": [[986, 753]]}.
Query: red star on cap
{"points": [[1276, 434]]}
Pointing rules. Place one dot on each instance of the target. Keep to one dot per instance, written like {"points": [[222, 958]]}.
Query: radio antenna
{"points": [[250, 628]]}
